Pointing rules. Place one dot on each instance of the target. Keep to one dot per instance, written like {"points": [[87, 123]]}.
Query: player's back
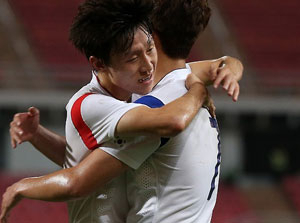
{"points": [[186, 172], [175, 183]]}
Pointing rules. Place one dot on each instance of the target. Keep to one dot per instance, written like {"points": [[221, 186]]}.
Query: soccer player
{"points": [[179, 181], [116, 164]]}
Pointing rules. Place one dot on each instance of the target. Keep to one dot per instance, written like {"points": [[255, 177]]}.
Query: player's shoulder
{"points": [[91, 103], [90, 108], [173, 80]]}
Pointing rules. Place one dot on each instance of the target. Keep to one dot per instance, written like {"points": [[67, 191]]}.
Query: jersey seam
{"points": [[157, 190]]}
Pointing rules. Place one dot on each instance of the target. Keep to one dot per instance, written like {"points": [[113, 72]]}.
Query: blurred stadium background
{"points": [[260, 134]]}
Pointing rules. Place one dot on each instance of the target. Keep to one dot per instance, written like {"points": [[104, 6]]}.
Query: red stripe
{"points": [[82, 128]]}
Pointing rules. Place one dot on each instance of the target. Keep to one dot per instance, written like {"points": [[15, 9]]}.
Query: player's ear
{"points": [[97, 64]]}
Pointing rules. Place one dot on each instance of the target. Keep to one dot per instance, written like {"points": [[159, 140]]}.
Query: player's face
{"points": [[133, 71]]}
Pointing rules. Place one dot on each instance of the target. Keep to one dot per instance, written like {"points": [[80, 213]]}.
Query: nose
{"points": [[147, 66]]}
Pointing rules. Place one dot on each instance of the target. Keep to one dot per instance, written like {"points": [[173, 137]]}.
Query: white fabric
{"points": [[173, 184], [100, 113]]}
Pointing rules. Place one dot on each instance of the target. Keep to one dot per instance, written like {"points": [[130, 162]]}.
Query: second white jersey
{"points": [[179, 182], [92, 116]]}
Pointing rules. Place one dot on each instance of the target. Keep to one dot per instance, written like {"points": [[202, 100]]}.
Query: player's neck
{"points": [[112, 89], [166, 64]]}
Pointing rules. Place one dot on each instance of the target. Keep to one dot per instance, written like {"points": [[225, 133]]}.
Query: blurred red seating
{"points": [[231, 206], [291, 186], [47, 25], [268, 31]]}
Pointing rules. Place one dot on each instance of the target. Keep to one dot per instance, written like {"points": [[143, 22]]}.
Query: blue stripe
{"points": [[152, 102], [213, 122], [213, 183]]}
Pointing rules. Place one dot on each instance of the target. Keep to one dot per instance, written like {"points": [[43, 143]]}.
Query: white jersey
{"points": [[92, 116], [179, 182]]}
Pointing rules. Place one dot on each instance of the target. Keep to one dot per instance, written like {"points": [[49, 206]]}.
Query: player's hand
{"points": [[9, 200], [24, 126], [228, 75], [209, 104]]}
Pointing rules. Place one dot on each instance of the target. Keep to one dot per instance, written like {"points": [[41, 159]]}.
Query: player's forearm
{"points": [[62, 185], [168, 120], [58, 186], [47, 188], [206, 70], [74, 182], [179, 113], [202, 70], [50, 144]]}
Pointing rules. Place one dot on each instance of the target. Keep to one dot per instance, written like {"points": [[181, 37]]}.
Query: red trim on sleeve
{"points": [[82, 128]]}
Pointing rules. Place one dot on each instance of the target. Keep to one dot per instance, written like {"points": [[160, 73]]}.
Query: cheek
{"points": [[130, 74], [126, 76], [124, 79]]}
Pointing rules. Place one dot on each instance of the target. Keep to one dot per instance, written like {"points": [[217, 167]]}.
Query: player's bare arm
{"points": [[168, 120], [225, 71], [84, 178], [65, 184], [208, 103], [26, 127]]}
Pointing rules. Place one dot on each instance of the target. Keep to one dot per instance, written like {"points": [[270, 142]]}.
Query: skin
{"points": [[220, 74], [130, 72], [138, 70], [133, 71], [225, 71], [77, 181], [69, 183], [25, 126], [82, 179]]}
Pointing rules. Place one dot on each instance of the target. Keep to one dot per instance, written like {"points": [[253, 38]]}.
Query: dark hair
{"points": [[178, 24], [102, 28]]}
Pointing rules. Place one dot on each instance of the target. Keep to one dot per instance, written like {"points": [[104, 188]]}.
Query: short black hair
{"points": [[178, 23], [102, 28]]}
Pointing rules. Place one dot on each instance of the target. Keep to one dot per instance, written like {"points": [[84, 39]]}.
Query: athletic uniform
{"points": [[179, 182], [92, 116]]}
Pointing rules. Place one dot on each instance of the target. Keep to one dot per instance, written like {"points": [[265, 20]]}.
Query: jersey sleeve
{"points": [[95, 117], [134, 151]]}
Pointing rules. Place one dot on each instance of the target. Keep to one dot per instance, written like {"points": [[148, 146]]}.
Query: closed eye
{"points": [[132, 59], [150, 49]]}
